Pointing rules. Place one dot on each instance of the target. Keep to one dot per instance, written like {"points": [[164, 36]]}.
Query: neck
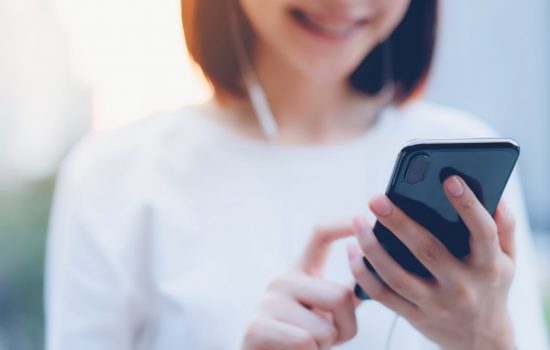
{"points": [[313, 110]]}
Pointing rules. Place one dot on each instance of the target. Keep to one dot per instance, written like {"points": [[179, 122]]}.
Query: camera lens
{"points": [[418, 167]]}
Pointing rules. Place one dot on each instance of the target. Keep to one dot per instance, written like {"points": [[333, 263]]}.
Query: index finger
{"points": [[482, 227], [313, 259]]}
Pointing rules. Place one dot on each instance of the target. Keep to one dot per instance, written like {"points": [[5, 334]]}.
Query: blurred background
{"points": [[70, 66]]}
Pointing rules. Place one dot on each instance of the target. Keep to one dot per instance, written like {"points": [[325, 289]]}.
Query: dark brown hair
{"points": [[404, 59]]}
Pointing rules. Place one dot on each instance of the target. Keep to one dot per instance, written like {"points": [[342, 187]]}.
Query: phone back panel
{"points": [[485, 167]]}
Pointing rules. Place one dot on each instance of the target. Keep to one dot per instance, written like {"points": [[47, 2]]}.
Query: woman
{"points": [[211, 227]]}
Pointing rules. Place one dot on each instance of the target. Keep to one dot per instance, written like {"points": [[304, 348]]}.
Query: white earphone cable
{"points": [[391, 332], [258, 99]]}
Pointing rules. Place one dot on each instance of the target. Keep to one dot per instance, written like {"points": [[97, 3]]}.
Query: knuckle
{"points": [[418, 297], [493, 273], [252, 331], [403, 287], [398, 220], [396, 283], [378, 292], [468, 203], [328, 335], [303, 340], [321, 236], [455, 281], [464, 298], [444, 315], [431, 250], [415, 317], [342, 296]]}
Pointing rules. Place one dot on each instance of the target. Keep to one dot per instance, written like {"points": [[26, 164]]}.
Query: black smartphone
{"points": [[416, 188]]}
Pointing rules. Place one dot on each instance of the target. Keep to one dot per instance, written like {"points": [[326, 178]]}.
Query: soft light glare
{"points": [[132, 54], [42, 108]]}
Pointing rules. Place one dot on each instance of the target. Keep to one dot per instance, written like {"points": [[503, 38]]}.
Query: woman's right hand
{"points": [[300, 309]]}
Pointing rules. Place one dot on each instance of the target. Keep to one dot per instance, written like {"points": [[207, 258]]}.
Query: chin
{"points": [[327, 66], [326, 71]]}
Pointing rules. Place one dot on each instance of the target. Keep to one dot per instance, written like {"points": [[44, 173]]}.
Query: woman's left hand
{"points": [[465, 305]]}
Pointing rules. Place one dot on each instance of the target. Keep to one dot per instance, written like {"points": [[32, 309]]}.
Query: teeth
{"points": [[329, 27]]}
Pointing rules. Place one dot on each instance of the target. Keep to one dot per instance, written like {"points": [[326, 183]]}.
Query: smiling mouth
{"points": [[328, 26]]}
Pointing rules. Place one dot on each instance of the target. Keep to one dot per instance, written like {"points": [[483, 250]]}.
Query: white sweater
{"points": [[165, 233]]}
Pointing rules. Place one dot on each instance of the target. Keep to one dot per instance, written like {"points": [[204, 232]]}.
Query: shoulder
{"points": [[108, 182], [118, 151], [115, 170], [433, 120], [125, 141]]}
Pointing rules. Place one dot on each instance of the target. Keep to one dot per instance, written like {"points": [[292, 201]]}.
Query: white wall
{"points": [[494, 60]]}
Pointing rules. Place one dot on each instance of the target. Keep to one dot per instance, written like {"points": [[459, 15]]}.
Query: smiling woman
{"points": [[318, 38], [207, 228]]}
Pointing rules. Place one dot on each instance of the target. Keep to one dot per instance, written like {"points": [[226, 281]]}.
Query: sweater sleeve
{"points": [[92, 300], [524, 300]]}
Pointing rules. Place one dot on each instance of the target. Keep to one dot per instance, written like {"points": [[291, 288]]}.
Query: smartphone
{"points": [[416, 188]]}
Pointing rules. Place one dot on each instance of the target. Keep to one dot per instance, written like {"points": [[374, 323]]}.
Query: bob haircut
{"points": [[403, 60]]}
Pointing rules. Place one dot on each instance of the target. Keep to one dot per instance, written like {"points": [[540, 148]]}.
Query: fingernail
{"points": [[454, 186], [359, 224], [381, 206]]}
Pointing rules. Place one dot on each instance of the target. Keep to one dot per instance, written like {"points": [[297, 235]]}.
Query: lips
{"points": [[329, 25]]}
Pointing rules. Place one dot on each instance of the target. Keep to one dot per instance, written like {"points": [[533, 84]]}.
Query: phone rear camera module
{"points": [[418, 167]]}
